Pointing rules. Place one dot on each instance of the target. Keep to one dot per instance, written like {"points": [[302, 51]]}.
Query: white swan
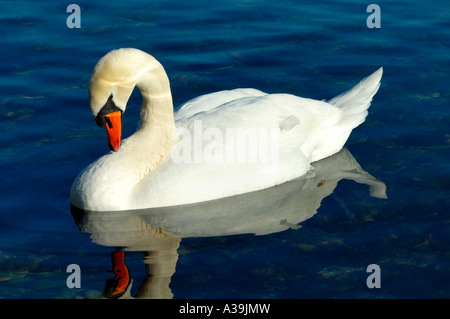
{"points": [[189, 156]]}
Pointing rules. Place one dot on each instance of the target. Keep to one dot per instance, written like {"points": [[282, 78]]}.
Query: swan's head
{"points": [[112, 82]]}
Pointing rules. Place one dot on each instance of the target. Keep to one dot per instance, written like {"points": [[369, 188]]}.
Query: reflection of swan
{"points": [[146, 170], [157, 231]]}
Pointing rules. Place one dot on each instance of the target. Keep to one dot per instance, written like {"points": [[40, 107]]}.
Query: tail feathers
{"points": [[353, 104], [357, 100]]}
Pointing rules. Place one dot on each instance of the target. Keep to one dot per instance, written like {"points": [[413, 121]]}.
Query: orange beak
{"points": [[114, 129]]}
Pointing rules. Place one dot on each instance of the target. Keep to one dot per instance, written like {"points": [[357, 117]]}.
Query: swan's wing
{"points": [[210, 101], [296, 120], [244, 145], [318, 128]]}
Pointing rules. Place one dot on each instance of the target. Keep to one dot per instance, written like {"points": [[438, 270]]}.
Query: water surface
{"points": [[303, 48]]}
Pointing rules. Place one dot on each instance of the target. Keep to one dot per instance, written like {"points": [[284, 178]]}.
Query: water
{"points": [[311, 50]]}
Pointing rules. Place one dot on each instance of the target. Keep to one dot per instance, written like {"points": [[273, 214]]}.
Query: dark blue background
{"points": [[306, 48]]}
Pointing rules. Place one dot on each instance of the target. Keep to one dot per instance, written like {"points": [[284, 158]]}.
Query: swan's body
{"points": [[151, 168]]}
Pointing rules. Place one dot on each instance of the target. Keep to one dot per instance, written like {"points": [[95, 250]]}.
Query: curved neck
{"points": [[157, 106], [152, 141]]}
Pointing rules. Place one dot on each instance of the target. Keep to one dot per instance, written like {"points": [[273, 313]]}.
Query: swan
{"points": [[217, 145]]}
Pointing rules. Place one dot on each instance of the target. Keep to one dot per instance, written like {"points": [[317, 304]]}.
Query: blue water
{"points": [[306, 48]]}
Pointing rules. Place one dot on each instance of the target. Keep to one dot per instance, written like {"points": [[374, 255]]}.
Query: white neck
{"points": [[151, 143], [157, 104], [108, 183]]}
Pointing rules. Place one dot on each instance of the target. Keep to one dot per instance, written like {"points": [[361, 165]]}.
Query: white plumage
{"points": [[290, 133]]}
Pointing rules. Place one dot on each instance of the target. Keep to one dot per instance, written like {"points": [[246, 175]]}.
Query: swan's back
{"points": [[320, 128], [211, 101]]}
